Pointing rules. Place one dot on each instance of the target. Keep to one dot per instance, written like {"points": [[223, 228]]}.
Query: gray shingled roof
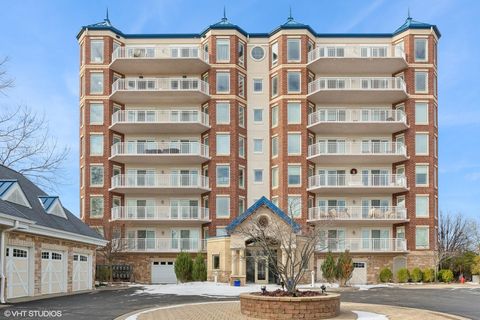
{"points": [[37, 212]]}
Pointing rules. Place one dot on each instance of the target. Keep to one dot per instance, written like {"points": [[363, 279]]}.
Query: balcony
{"points": [[174, 183], [373, 245], [160, 90], [356, 59], [357, 183], [159, 244], [357, 152], [159, 60], [358, 215], [165, 214], [160, 152], [362, 121], [160, 121], [357, 90]]}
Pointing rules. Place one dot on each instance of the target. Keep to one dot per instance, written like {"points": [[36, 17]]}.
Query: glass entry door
{"points": [[261, 270]]}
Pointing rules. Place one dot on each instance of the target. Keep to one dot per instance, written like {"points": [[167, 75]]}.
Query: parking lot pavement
{"points": [[109, 304]]}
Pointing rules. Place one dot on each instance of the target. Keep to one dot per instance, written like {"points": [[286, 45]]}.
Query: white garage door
{"points": [[359, 275], [163, 272], [54, 272], [82, 271], [18, 272]]}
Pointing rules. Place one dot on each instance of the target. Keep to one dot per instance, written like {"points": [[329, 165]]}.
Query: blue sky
{"points": [[39, 38]]}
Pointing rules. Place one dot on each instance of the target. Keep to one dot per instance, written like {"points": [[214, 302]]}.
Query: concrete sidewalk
{"points": [[231, 311]]}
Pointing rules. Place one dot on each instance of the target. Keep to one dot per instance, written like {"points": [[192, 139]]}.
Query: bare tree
{"points": [[5, 81], [296, 243], [26, 144], [109, 254], [454, 237]]}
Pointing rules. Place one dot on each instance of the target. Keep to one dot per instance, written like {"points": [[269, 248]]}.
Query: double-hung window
{"points": [[223, 82], [223, 113], [293, 81], [293, 50], [223, 175], [421, 47], [223, 50], [96, 51]]}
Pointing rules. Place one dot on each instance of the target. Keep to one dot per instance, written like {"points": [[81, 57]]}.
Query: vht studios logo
{"points": [[35, 314]]}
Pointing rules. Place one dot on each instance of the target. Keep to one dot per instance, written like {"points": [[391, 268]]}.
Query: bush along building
{"points": [[45, 248], [182, 133]]}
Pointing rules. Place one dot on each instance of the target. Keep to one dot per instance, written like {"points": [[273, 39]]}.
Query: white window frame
{"points": [[427, 213], [222, 104], [97, 196], [428, 142], [289, 198], [92, 134], [255, 140], [257, 80], [297, 40], [299, 174], [97, 165], [426, 81], [223, 134], [300, 143], [222, 165], [274, 175], [226, 41], [96, 72], [292, 103], [427, 246], [261, 113], [254, 176], [274, 50], [103, 50], [424, 103], [222, 196], [290, 72], [415, 47], [428, 174], [219, 73]]}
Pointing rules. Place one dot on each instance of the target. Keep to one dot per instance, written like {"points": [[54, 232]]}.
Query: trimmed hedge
{"points": [[403, 275], [416, 275], [386, 275], [445, 275], [428, 275]]}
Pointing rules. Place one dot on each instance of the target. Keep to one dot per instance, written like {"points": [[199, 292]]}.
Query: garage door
{"points": [[359, 275], [18, 272], [163, 272], [54, 272], [82, 270]]}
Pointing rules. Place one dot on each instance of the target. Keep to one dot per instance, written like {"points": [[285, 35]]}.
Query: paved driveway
{"points": [[108, 304]]}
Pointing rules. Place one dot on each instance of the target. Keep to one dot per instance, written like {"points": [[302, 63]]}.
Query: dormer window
{"points": [[11, 191], [52, 205]]}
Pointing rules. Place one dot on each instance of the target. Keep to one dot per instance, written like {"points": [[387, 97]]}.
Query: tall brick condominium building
{"points": [[181, 133]]}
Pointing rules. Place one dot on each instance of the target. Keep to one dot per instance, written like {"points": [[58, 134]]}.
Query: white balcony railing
{"points": [[362, 245], [160, 148], [160, 213], [160, 116], [357, 83], [366, 213], [356, 51], [357, 115], [174, 180], [357, 180], [160, 244], [160, 84], [159, 52], [357, 148]]}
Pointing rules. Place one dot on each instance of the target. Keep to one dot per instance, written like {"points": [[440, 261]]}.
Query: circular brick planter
{"points": [[266, 307]]}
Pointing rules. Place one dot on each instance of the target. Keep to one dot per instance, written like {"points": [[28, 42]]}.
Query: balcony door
{"points": [[140, 209], [141, 239], [374, 208], [185, 239], [184, 177], [141, 146], [141, 177], [184, 209], [331, 146], [375, 239], [375, 177]]}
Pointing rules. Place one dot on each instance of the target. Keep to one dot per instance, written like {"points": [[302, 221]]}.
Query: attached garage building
{"points": [[45, 249]]}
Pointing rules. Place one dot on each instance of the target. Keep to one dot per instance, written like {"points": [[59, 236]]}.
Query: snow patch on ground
{"points": [[363, 287], [318, 285], [362, 315], [208, 289]]}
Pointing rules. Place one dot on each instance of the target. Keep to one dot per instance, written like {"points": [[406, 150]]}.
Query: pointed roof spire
{"points": [[224, 19], [290, 17], [107, 15], [408, 14], [107, 19]]}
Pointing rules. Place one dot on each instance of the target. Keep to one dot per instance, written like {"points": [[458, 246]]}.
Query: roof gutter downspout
{"points": [[3, 258]]}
